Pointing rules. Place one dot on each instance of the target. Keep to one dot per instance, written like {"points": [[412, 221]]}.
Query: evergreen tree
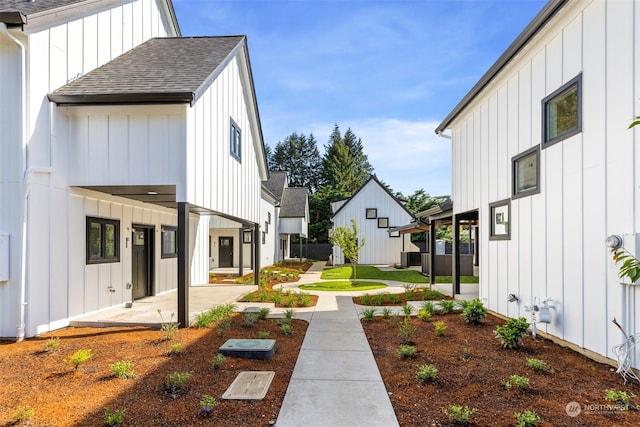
{"points": [[345, 166], [299, 156]]}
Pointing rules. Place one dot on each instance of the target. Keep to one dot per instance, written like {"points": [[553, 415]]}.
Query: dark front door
{"points": [[141, 263], [225, 252]]}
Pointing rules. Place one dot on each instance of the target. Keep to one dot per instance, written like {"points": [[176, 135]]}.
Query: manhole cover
{"points": [[249, 385], [249, 348]]}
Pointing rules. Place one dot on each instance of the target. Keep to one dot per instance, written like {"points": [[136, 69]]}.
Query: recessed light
{"points": [[152, 193]]}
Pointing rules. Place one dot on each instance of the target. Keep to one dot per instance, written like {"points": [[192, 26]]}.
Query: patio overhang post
{"points": [[432, 253], [256, 255], [455, 257], [240, 251], [300, 235], [183, 264]]}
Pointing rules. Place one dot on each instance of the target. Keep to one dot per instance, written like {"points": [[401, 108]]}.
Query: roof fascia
{"points": [[124, 98], [12, 18], [372, 177], [534, 27]]}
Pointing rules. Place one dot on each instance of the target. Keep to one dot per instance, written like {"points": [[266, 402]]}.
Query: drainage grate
{"points": [[249, 385]]}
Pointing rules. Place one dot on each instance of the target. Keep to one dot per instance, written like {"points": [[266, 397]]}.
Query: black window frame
{"points": [[394, 234], [264, 238], [235, 134], [383, 218], [493, 221], [102, 258], [372, 210], [548, 141], [247, 236], [515, 161], [164, 252]]}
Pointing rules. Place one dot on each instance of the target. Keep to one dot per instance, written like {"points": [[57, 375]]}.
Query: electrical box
{"points": [[4, 257]]}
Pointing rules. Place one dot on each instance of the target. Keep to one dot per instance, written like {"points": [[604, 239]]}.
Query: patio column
{"points": [[256, 254], [432, 252], [455, 257], [183, 264], [241, 251]]}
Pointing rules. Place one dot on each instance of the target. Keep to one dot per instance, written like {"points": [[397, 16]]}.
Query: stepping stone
{"points": [[249, 385], [249, 348]]}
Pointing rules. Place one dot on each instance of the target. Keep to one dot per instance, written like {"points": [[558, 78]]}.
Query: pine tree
{"points": [[299, 156], [345, 165]]}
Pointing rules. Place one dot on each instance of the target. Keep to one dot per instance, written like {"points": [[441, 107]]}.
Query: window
{"points": [[562, 112], [372, 213], [103, 240], [247, 236], [526, 173], [235, 140], [394, 233], [269, 217], [500, 213], [266, 226], [383, 222], [264, 237], [169, 241]]}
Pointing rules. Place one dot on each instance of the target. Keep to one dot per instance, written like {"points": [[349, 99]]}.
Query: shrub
{"points": [[174, 384], [387, 313], [79, 357], [440, 328], [527, 418], [114, 418], [424, 315], [446, 306], [426, 373], [286, 329], [207, 403], [216, 362], [304, 299], [51, 345], [262, 335], [409, 288], [378, 299], [277, 298], [512, 332], [288, 315], [250, 319], [22, 413], [169, 329], [538, 365], [463, 303], [393, 298], [474, 311], [175, 349], [368, 314], [263, 313], [521, 383], [430, 294], [428, 306], [620, 397], [459, 414], [406, 331], [365, 299], [407, 309], [406, 351], [223, 324], [122, 369]]}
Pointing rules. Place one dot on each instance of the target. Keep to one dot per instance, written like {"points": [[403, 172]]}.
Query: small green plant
{"points": [[428, 306], [406, 351], [407, 309], [459, 414], [406, 331], [22, 413], [286, 329], [114, 418], [620, 397], [79, 357], [250, 319], [223, 324], [440, 328], [409, 288], [387, 313], [304, 299], [378, 299], [474, 311], [207, 403], [216, 362], [122, 369], [169, 329], [175, 382], [527, 418], [512, 332], [277, 298], [424, 315], [365, 299], [51, 345], [393, 298], [262, 335], [368, 313], [462, 304], [288, 315], [426, 373], [538, 365], [175, 349], [516, 381], [263, 313], [446, 306]]}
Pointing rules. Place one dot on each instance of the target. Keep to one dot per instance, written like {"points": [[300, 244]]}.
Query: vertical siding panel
{"points": [[58, 301], [572, 49], [160, 150], [127, 27], [117, 27], [206, 156], [503, 171], [76, 249], [137, 20], [126, 258], [524, 102], [118, 157], [98, 149], [104, 37], [90, 53], [74, 43], [91, 271], [138, 139]]}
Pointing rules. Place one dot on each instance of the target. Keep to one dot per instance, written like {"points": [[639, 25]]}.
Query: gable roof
{"points": [[276, 183], [160, 70], [534, 27], [39, 12], [373, 178], [294, 202]]}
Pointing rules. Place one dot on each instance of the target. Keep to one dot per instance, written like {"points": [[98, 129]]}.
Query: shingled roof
{"points": [[161, 70], [276, 183], [294, 202]]}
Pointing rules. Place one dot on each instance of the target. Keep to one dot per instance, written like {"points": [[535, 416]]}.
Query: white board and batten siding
{"points": [[589, 185], [378, 248]]}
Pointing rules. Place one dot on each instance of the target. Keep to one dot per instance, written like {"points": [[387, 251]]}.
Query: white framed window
{"points": [[235, 140], [562, 112]]}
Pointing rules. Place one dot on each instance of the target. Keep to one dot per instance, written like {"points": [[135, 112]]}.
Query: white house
{"points": [[375, 210], [122, 145], [543, 157]]}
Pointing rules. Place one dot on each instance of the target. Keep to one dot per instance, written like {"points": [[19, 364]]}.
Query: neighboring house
{"points": [[122, 145], [375, 210], [291, 214], [543, 157]]}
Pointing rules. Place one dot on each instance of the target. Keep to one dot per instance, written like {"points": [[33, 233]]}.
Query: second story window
{"points": [[562, 112], [235, 140]]}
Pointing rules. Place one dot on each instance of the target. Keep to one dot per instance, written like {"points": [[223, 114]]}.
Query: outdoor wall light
{"points": [[512, 297]]}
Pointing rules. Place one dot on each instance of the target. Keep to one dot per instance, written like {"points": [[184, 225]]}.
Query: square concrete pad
{"points": [[249, 385], [249, 348]]}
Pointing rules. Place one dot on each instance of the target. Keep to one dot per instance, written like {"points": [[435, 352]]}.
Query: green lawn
{"points": [[343, 285], [371, 272], [463, 279]]}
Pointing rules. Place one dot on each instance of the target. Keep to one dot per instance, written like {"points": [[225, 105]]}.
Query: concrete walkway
{"points": [[336, 381]]}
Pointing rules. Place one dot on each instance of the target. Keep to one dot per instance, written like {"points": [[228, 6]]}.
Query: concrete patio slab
{"points": [[347, 341], [336, 365]]}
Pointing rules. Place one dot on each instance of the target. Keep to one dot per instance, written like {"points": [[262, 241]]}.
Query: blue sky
{"points": [[389, 70]]}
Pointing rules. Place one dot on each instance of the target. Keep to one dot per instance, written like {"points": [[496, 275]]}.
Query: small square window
{"points": [[247, 236], [383, 222], [372, 213], [394, 233], [264, 237], [526, 173], [562, 112], [500, 212], [266, 227], [235, 140], [103, 240], [169, 241]]}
